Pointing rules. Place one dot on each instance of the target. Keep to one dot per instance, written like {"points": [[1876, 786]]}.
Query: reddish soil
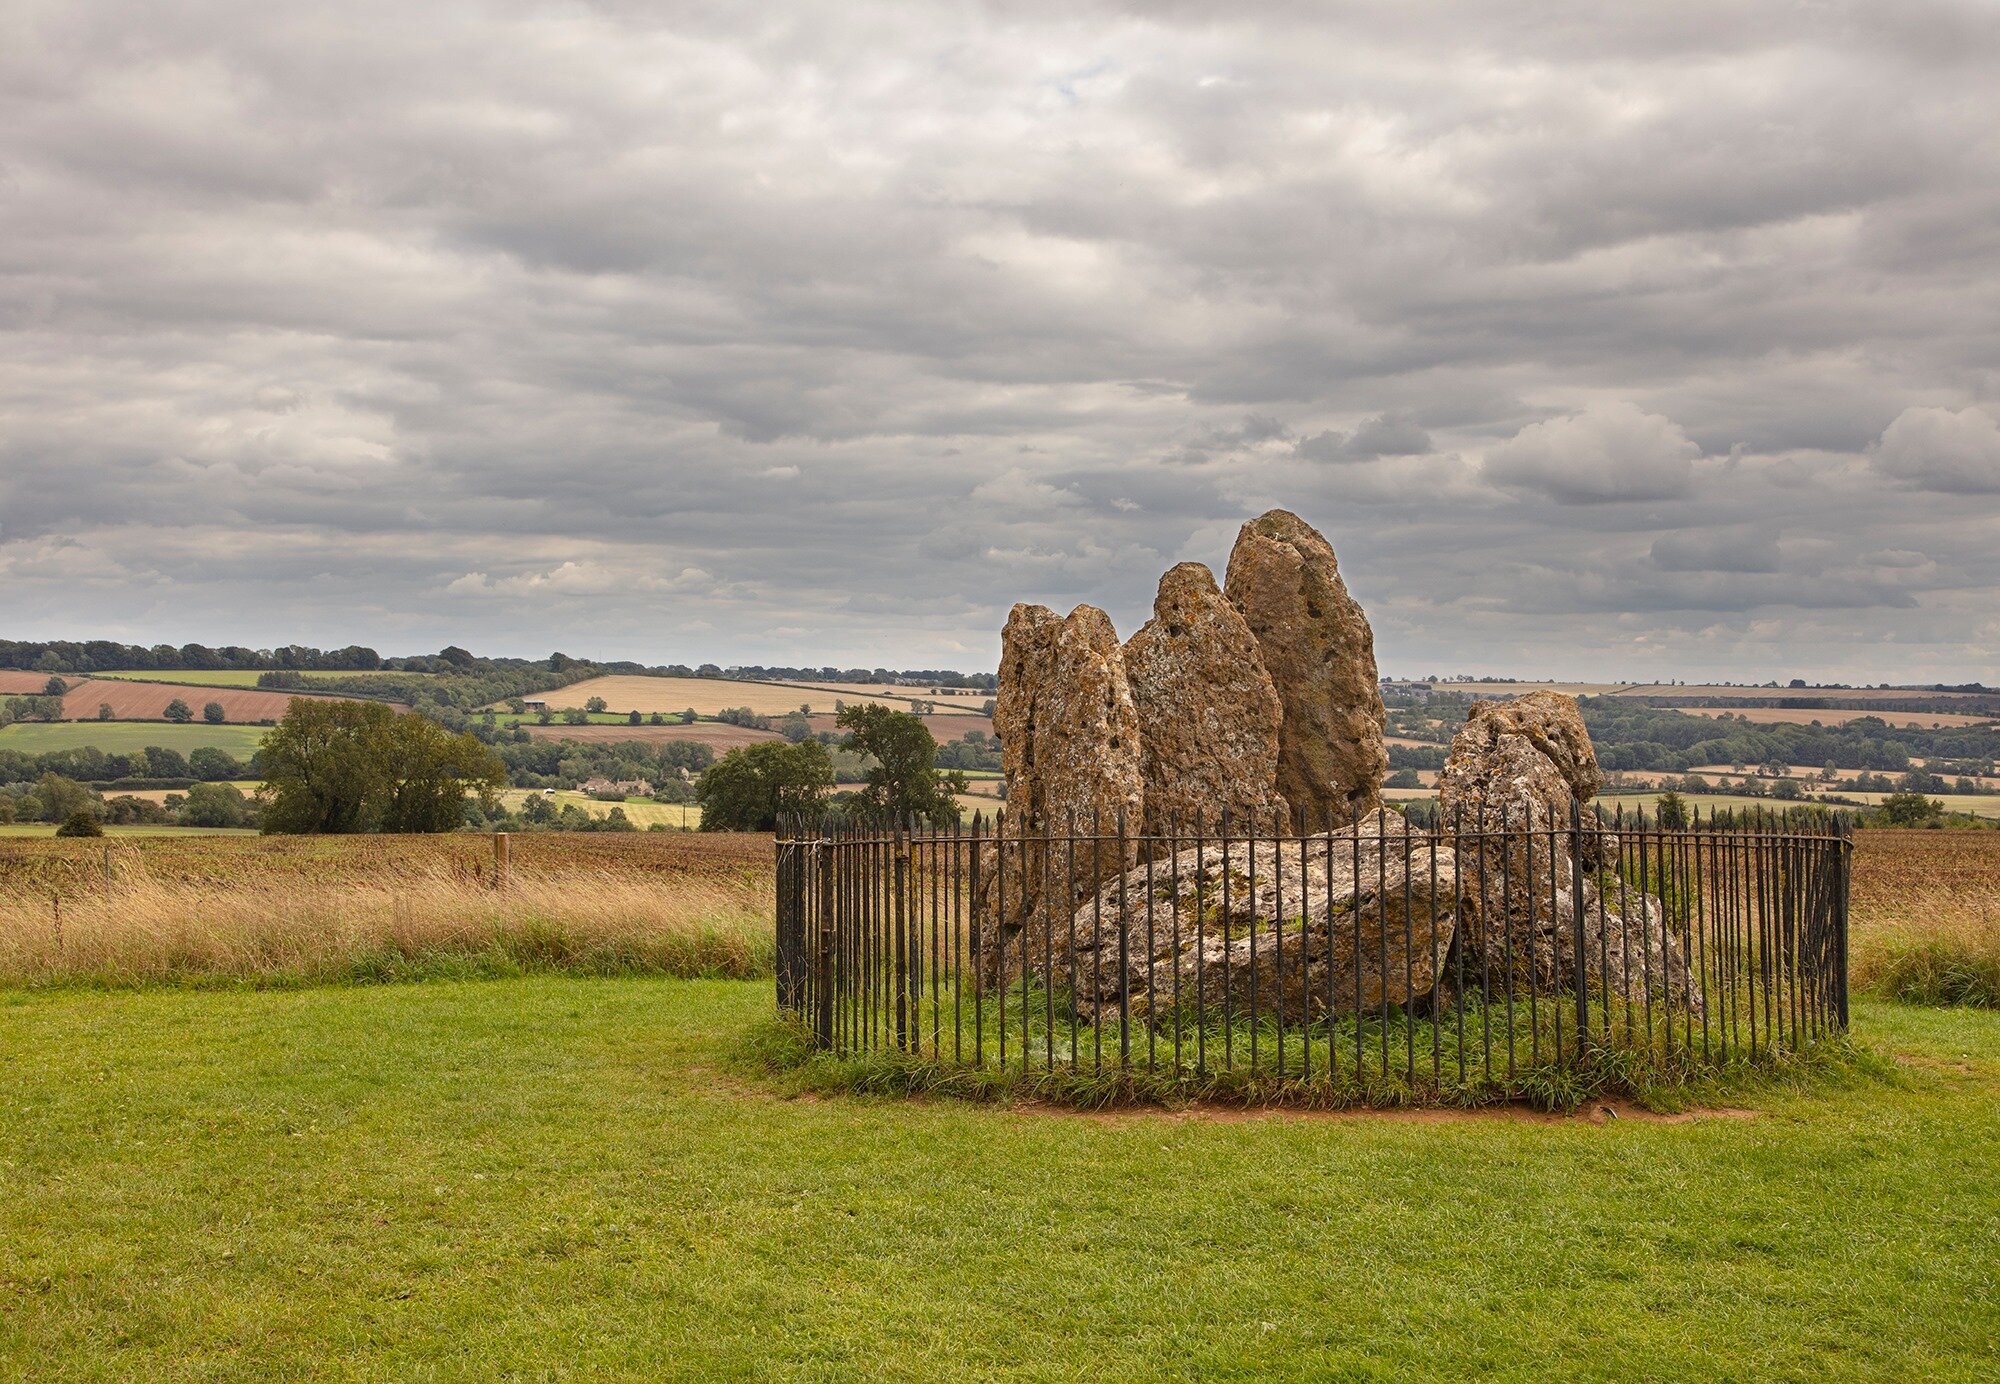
{"points": [[147, 701], [13, 684], [713, 733]]}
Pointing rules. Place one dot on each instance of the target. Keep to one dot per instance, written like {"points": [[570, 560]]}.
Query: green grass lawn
{"points": [[123, 737], [552, 1177]]}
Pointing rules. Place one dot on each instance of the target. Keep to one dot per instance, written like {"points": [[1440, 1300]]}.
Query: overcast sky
{"points": [[1625, 341]]}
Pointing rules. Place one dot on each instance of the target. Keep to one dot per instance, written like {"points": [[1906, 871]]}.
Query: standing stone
{"points": [[1320, 653], [1070, 746], [1208, 715], [1513, 774]]}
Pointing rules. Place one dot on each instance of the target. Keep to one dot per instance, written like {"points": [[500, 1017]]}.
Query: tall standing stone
{"points": [[1208, 715], [1320, 653], [1070, 746]]}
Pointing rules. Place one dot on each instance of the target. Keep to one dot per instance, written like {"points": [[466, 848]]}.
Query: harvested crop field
{"points": [[707, 696], [718, 735], [147, 701], [14, 683]]}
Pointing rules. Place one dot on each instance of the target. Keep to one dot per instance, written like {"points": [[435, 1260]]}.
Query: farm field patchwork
{"points": [[718, 735], [236, 677], [550, 1176], [640, 813], [147, 701], [1798, 716], [125, 737], [707, 696]]}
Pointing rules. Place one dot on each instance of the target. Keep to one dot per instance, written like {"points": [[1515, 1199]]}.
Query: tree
{"points": [[428, 771], [165, 763], [1910, 810], [336, 766], [59, 797], [215, 805], [574, 717], [212, 764], [633, 719], [1673, 811], [177, 711], [213, 713], [104, 711], [595, 705], [905, 780], [81, 822], [795, 727], [748, 788], [54, 687]]}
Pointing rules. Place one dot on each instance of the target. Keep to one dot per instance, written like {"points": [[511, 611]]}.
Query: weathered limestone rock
{"points": [[1553, 724], [1515, 769], [1320, 653], [1367, 916], [1208, 715], [1071, 752]]}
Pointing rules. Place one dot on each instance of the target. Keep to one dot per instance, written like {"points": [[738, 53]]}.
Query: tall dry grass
{"points": [[1926, 916], [270, 929]]}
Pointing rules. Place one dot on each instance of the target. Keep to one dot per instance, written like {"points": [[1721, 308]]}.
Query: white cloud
{"points": [[1937, 449], [1606, 453]]}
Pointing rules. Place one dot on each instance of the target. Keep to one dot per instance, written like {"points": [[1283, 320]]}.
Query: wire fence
{"points": [[1483, 954]]}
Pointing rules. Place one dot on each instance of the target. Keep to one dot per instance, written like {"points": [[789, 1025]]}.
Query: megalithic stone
{"points": [[1208, 715], [1319, 651]]}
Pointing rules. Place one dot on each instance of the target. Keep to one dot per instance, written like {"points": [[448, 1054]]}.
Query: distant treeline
{"points": [[108, 655], [153, 767], [1630, 735]]}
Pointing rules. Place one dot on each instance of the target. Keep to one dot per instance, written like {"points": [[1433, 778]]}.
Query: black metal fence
{"points": [[1485, 954]]}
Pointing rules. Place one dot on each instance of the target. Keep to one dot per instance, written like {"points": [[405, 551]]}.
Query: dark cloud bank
{"points": [[1632, 344]]}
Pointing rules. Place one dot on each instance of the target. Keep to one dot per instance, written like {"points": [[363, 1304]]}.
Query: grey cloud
{"points": [[1606, 453], [1937, 449], [879, 318]]}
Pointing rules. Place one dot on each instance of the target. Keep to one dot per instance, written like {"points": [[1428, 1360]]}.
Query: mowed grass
{"points": [[561, 1178], [125, 737]]}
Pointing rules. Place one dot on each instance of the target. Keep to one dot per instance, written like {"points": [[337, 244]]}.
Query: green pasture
{"points": [[124, 737], [560, 1178]]}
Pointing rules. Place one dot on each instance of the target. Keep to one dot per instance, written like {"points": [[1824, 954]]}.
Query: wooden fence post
{"points": [[502, 871]]}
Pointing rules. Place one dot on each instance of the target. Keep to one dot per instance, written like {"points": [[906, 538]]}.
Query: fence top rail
{"points": [[1808, 825]]}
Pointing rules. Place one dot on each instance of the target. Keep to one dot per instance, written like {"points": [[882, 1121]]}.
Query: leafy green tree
{"points": [[215, 805], [165, 763], [178, 711], [427, 771], [82, 822], [1909, 810], [60, 798], [104, 711], [573, 717], [335, 766], [633, 719], [1673, 811], [748, 788], [212, 764], [213, 713], [795, 727], [595, 704], [905, 780], [54, 687]]}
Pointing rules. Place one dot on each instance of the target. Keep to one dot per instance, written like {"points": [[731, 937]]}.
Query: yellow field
{"points": [[1785, 715], [708, 696], [1521, 689], [641, 814], [159, 795]]}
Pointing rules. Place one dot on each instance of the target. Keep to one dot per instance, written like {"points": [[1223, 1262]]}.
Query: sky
{"points": [[1625, 342]]}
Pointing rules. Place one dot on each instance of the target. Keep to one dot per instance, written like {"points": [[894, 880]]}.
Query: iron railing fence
{"points": [[1470, 956]]}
